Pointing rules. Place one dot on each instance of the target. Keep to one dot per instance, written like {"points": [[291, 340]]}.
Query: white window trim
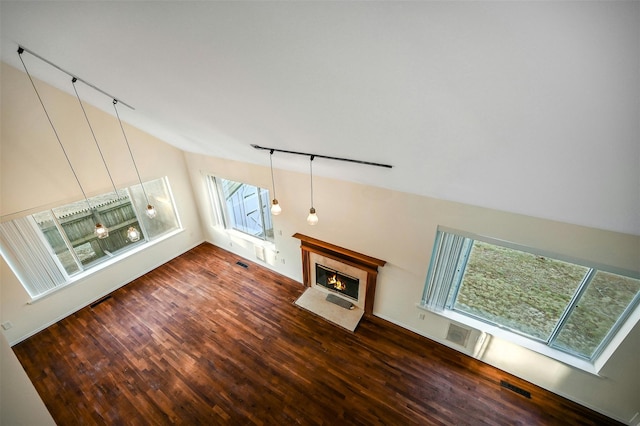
{"points": [[219, 213], [590, 366], [233, 233]]}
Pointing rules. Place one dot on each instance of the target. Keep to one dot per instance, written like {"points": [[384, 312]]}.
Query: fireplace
{"points": [[319, 256], [337, 282]]}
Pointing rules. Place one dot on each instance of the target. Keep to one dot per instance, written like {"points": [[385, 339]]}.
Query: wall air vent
{"points": [[458, 335]]}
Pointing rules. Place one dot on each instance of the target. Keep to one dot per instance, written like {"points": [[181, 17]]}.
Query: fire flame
{"points": [[336, 283]]}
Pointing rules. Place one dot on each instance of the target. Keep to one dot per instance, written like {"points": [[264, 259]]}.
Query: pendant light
{"points": [[133, 234], [100, 230], [275, 207], [151, 212], [312, 219]]}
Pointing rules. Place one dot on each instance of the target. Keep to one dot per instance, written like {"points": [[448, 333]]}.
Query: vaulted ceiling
{"points": [[528, 107]]}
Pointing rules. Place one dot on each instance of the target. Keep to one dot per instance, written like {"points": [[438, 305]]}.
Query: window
{"points": [[69, 229], [48, 248], [567, 306], [243, 207]]}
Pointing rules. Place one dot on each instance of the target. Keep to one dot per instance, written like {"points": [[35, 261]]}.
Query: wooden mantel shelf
{"points": [[362, 261], [321, 246]]}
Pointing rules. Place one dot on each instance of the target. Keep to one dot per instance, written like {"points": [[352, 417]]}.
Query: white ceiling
{"points": [[528, 107]]}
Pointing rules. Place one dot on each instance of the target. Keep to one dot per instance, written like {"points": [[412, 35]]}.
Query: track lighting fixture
{"points": [[328, 157], [312, 219], [100, 230], [275, 206]]}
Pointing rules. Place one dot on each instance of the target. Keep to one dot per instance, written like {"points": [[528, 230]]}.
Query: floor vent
{"points": [[244, 265], [99, 301], [515, 389]]}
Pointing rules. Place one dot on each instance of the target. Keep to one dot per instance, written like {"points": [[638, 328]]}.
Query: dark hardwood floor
{"points": [[202, 340]]}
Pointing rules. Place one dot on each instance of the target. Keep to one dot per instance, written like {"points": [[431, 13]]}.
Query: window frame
{"points": [[108, 254], [545, 347], [222, 216], [12, 252]]}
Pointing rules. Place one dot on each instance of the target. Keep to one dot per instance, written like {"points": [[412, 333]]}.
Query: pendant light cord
{"points": [[20, 50], [273, 182], [115, 101], [311, 175], [73, 81]]}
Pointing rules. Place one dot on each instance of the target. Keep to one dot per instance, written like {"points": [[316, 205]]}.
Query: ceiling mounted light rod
{"points": [[22, 49], [368, 163], [151, 211]]}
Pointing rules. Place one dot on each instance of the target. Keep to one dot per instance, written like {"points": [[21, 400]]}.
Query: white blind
{"points": [[444, 269], [29, 256]]}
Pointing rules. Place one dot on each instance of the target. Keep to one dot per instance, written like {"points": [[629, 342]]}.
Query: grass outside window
{"points": [[572, 307]]}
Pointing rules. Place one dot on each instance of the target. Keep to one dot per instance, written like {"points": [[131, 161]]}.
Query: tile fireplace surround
{"points": [[367, 265]]}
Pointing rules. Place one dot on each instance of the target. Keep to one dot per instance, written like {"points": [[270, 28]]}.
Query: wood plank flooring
{"points": [[201, 340]]}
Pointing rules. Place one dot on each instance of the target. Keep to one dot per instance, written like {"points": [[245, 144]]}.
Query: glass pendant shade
{"points": [[133, 234], [151, 211], [101, 231], [312, 219], [275, 208]]}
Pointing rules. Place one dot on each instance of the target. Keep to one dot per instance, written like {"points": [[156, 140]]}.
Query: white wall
{"points": [[400, 228], [20, 404], [35, 175]]}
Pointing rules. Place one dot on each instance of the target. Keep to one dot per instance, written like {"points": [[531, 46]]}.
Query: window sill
{"points": [[517, 339], [253, 240], [105, 264]]}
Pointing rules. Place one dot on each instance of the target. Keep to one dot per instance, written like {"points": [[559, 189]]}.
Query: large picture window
{"points": [[69, 229], [575, 308], [48, 248], [243, 207]]}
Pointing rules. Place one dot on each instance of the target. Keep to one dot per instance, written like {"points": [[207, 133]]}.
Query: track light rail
{"points": [[22, 49], [368, 163]]}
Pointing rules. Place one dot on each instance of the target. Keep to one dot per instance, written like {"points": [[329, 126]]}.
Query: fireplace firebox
{"points": [[337, 281]]}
